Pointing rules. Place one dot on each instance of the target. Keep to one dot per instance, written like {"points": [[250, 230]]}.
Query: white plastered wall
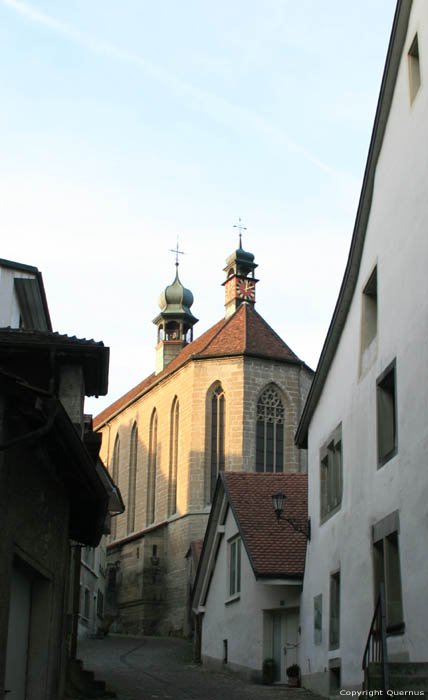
{"points": [[397, 242]]}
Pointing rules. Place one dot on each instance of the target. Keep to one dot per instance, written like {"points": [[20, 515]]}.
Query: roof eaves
{"points": [[398, 35], [235, 515]]}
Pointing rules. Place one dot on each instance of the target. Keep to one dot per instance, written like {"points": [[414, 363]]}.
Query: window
{"points": [[132, 479], [335, 610], [151, 472], [270, 431], [100, 604], [318, 619], [414, 68], [331, 474], [369, 322], [217, 436], [87, 606], [387, 569], [386, 415], [115, 476], [235, 567], [173, 459]]}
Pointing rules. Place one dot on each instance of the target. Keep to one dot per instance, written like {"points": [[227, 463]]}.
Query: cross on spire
{"points": [[240, 228], [177, 252]]}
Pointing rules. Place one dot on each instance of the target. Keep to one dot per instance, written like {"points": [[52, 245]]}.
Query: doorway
{"points": [[17, 636], [285, 641]]}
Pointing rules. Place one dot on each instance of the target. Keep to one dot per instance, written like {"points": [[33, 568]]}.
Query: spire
{"points": [[175, 321], [240, 283]]}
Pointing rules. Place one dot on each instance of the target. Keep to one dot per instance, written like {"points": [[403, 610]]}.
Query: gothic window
{"points": [[115, 476], [173, 459], [270, 431], [132, 478], [217, 436], [151, 472]]}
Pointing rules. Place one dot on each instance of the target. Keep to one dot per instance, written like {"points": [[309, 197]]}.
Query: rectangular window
{"points": [[386, 415], [235, 566], [87, 607], [335, 610], [387, 571], [369, 323], [414, 68], [331, 474], [100, 604]]}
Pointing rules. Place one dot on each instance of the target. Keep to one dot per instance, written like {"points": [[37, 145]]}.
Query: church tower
{"points": [[175, 322], [240, 284]]}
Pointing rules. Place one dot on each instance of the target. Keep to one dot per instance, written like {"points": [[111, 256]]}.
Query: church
{"points": [[227, 401]]}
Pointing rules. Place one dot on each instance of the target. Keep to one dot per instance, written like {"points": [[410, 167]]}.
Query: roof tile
{"points": [[275, 549]]}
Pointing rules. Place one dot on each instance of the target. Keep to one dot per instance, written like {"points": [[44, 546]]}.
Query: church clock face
{"points": [[245, 289]]}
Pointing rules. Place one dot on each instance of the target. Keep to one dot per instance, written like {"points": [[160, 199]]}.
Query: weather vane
{"points": [[177, 252], [240, 228]]}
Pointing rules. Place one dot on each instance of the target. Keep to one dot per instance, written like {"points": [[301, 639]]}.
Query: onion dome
{"points": [[176, 298]]}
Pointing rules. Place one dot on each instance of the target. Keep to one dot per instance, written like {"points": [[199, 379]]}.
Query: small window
{"points": [[100, 604], [414, 69], [331, 474], [335, 610], [369, 322], [87, 607], [235, 567], [387, 571], [386, 415]]}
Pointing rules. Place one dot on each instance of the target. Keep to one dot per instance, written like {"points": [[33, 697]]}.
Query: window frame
{"points": [[234, 568], [270, 432], [331, 485], [334, 607], [383, 391]]}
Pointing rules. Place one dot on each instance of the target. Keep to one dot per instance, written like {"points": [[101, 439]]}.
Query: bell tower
{"points": [[240, 283], [175, 321]]}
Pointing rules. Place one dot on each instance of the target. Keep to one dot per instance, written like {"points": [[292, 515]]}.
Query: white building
{"points": [[247, 591], [365, 422]]}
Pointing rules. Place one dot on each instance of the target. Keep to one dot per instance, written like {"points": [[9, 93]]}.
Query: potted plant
{"points": [[268, 671], [293, 675]]}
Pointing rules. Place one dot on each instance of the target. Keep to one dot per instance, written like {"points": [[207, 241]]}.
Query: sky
{"points": [[126, 125]]}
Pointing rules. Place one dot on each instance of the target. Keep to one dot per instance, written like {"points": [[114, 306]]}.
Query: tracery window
{"points": [[217, 436], [173, 459], [132, 479], [115, 476], [151, 471], [270, 431]]}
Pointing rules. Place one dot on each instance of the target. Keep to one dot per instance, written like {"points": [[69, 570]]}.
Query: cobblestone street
{"points": [[158, 668]]}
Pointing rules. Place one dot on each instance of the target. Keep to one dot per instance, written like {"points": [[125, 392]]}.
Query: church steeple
{"points": [[175, 321], [240, 283]]}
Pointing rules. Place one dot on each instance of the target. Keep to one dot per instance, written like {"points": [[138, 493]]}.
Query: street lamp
{"points": [[278, 500]]}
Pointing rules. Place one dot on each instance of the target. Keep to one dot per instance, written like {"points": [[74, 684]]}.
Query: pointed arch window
{"points": [[151, 472], [270, 431], [115, 476], [173, 459], [132, 479], [217, 435]]}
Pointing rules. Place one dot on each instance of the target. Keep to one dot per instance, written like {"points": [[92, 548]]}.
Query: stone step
{"points": [[402, 676]]}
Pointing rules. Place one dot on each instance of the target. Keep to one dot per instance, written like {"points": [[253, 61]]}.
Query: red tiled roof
{"points": [[274, 548], [243, 333]]}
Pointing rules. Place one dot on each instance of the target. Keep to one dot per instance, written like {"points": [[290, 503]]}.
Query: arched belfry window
{"points": [[115, 477], [151, 471], [217, 435], [132, 479], [173, 459], [270, 431]]}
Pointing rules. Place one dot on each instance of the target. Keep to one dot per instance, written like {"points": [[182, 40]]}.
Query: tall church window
{"points": [[132, 479], [173, 459], [151, 472], [217, 435], [115, 476], [270, 431]]}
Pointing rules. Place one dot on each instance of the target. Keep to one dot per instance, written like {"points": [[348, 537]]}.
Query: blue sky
{"points": [[126, 124]]}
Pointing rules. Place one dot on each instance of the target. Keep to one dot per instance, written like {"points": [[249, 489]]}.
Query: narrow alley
{"points": [[161, 668]]}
